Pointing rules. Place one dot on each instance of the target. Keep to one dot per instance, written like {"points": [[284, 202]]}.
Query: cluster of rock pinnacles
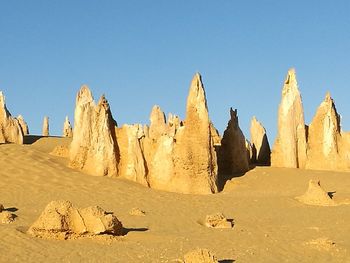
{"points": [[189, 156]]}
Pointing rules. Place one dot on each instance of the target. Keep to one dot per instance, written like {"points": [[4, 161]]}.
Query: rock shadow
{"points": [[132, 229]]}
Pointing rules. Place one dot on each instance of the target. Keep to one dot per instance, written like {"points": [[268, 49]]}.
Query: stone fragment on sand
{"points": [[290, 146], [217, 220], [46, 129], [7, 217], [316, 195], [10, 128], [137, 212], [60, 219], [200, 255]]}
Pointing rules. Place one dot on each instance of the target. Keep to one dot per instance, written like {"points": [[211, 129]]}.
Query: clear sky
{"points": [[141, 53]]}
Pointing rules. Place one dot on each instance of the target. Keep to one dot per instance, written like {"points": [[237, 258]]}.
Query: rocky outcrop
{"points": [[260, 144], [67, 128], [132, 164], [195, 161], [45, 131], [316, 195], [23, 124], [94, 146], [233, 152], [290, 146], [61, 220], [10, 129], [217, 220]]}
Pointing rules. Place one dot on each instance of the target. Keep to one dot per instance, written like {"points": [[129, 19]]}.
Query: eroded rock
{"points": [[23, 125], [46, 129], [200, 255], [67, 128], [217, 220], [316, 195], [260, 144], [60, 219]]}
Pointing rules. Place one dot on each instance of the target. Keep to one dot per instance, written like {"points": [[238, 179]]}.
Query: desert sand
{"points": [[269, 223]]}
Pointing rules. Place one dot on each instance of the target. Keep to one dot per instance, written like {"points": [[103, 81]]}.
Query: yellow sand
{"points": [[269, 224]]}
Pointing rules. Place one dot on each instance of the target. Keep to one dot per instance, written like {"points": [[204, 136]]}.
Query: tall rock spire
{"points": [[290, 146], [46, 129], [23, 124], [67, 128], [10, 129], [194, 154], [94, 147], [260, 143]]}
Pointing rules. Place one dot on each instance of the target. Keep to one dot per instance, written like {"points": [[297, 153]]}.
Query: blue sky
{"points": [[141, 53]]}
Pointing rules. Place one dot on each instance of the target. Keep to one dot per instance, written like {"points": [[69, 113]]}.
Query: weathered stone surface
{"points": [[215, 135], [316, 195], [158, 126], [290, 146], [132, 164], [94, 147], [60, 219], [7, 217], [326, 149], [195, 160], [10, 129], [200, 255], [260, 144], [217, 220], [233, 152], [67, 128], [46, 129], [23, 125]]}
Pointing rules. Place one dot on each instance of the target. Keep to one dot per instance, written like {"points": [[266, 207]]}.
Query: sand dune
{"points": [[269, 224]]}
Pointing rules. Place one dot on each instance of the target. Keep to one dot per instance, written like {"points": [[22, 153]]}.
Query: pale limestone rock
{"points": [[94, 147], [215, 135], [158, 125], [23, 125], [316, 195], [67, 128], [60, 219], [132, 164], [250, 151], [195, 163], [10, 129], [45, 131], [233, 152], [260, 144], [290, 146], [217, 220], [200, 255]]}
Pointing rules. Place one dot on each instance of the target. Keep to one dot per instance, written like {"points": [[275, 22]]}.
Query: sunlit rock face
{"points": [[260, 144], [10, 129], [67, 128], [234, 155], [327, 149], [23, 124], [94, 148], [195, 158], [46, 129], [290, 146]]}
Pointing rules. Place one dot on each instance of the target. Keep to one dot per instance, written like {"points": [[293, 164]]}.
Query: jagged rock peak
{"points": [[196, 100], [23, 124], [84, 95], [260, 145], [157, 122]]}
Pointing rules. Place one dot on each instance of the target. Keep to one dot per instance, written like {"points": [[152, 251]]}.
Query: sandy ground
{"points": [[270, 225]]}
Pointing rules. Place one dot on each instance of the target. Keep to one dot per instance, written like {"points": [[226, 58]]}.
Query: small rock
{"points": [[6, 217], [200, 255], [217, 220]]}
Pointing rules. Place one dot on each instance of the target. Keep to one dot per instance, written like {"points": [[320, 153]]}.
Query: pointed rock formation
{"points": [[67, 128], [316, 195], [260, 143], [195, 160], [326, 148], [132, 164], [158, 125], [10, 129], [23, 124], [46, 131], [94, 148], [233, 152], [290, 146]]}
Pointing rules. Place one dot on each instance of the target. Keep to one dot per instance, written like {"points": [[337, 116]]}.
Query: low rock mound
{"points": [[61, 220], [218, 220], [137, 212], [200, 255], [316, 195], [5, 216]]}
